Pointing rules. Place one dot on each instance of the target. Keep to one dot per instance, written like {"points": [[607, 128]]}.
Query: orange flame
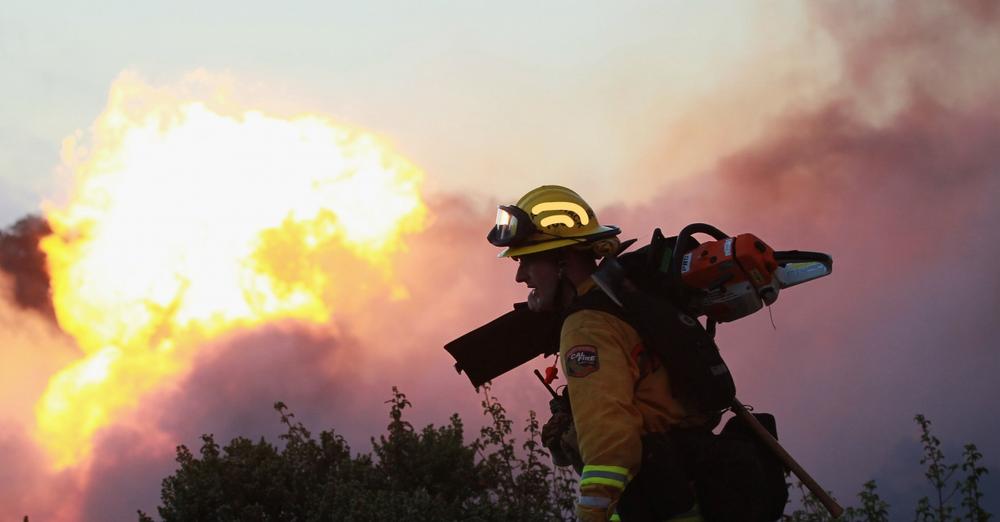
{"points": [[189, 218]]}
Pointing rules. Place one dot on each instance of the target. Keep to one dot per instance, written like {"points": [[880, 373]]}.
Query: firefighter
{"points": [[618, 392]]}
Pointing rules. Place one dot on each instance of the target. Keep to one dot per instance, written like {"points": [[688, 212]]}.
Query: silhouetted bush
{"points": [[431, 474], [940, 475]]}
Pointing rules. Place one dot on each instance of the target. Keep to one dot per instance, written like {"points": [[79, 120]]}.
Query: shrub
{"points": [[430, 474]]}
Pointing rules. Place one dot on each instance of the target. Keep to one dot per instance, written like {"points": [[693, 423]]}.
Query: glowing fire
{"points": [[189, 218]]}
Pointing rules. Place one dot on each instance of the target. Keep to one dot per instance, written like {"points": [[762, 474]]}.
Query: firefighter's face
{"points": [[540, 272]]}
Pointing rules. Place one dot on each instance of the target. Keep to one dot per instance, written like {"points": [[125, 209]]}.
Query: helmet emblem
{"points": [[568, 207]]}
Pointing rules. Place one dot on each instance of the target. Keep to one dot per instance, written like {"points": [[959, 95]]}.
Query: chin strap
{"points": [[561, 285]]}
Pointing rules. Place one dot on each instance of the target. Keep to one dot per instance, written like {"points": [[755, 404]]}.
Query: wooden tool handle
{"points": [[765, 436]]}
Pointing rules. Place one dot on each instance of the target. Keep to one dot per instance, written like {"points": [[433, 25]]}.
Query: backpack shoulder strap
{"points": [[698, 375], [596, 299]]}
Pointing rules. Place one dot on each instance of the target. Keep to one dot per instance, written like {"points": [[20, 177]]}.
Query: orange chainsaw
{"points": [[724, 279]]}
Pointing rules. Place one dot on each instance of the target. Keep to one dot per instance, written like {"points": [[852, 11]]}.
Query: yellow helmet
{"points": [[547, 218]]}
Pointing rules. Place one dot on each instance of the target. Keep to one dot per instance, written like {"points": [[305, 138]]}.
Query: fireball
{"points": [[189, 217]]}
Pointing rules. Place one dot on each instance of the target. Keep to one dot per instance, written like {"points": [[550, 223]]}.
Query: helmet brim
{"points": [[536, 248], [543, 246]]}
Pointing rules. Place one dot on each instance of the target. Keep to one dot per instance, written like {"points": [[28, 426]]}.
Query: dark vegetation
{"points": [[954, 498], [432, 474]]}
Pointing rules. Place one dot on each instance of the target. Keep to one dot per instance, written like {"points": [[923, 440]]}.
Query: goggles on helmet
{"points": [[513, 227]]}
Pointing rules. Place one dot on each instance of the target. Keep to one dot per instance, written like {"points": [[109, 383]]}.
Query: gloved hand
{"points": [[594, 513], [552, 437], [585, 514], [553, 430]]}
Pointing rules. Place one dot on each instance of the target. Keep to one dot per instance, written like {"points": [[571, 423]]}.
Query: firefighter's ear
{"points": [[605, 247], [562, 260]]}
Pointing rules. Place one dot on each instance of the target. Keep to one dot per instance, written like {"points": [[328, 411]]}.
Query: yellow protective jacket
{"points": [[618, 392]]}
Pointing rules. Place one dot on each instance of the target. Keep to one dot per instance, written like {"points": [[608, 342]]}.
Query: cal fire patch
{"points": [[581, 361]]}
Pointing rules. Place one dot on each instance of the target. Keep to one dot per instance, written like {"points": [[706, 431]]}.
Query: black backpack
{"points": [[651, 304]]}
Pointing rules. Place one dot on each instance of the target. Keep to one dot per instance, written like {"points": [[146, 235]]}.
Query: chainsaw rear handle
{"points": [[682, 239]]}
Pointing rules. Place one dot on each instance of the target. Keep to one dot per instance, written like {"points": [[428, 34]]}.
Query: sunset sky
{"points": [[868, 130]]}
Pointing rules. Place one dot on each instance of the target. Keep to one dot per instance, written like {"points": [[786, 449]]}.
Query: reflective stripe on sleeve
{"points": [[614, 476], [594, 502]]}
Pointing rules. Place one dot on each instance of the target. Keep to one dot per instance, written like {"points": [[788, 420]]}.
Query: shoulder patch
{"points": [[581, 361]]}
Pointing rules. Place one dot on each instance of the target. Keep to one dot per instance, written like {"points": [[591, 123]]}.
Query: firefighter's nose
{"points": [[522, 273]]}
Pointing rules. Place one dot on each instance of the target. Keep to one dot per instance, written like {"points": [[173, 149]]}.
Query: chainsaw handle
{"points": [[682, 239]]}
